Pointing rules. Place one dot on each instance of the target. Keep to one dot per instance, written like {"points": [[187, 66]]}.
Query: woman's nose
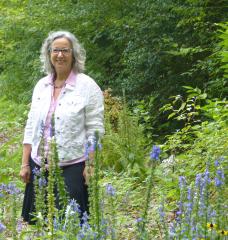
{"points": [[60, 54]]}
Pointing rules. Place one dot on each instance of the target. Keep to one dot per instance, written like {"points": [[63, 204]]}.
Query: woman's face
{"points": [[61, 55]]}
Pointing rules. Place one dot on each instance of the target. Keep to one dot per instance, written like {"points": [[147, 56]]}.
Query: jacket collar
{"points": [[70, 81]]}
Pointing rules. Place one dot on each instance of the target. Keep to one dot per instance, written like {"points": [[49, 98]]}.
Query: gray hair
{"points": [[79, 54]]}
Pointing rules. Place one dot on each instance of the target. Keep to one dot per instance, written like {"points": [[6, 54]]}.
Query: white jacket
{"points": [[78, 114]]}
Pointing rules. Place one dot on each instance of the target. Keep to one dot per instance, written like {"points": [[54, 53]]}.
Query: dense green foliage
{"points": [[11, 125], [149, 47], [170, 57]]}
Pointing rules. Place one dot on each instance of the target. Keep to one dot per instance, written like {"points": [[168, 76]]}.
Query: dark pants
{"points": [[75, 185]]}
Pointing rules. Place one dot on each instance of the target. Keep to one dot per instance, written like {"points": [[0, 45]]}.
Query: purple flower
{"points": [[172, 230], [218, 182], [12, 189], [2, 187], [154, 154], [89, 147], [179, 212], [189, 196], [139, 220], [2, 227], [182, 182], [220, 174], [193, 228], [86, 232], [80, 235], [198, 179], [219, 179], [85, 217], [85, 226], [9, 189], [19, 226], [183, 231], [161, 211], [203, 194], [104, 228], [42, 182], [110, 190], [189, 207], [36, 171], [212, 214], [207, 176], [217, 163], [75, 206], [56, 224]]}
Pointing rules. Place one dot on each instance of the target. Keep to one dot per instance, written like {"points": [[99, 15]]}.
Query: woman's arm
{"points": [[25, 168], [94, 122], [94, 114]]}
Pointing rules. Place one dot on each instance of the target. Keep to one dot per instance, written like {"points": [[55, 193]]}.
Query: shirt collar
{"points": [[70, 81]]}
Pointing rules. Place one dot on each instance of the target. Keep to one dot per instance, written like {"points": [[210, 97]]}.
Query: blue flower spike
{"points": [[155, 153], [110, 190], [2, 227]]}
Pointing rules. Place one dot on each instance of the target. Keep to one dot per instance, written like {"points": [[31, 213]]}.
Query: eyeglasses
{"points": [[64, 51]]}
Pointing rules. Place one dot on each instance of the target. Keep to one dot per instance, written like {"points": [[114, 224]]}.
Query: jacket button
{"points": [[58, 118]]}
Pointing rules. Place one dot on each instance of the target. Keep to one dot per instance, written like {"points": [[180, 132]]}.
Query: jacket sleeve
{"points": [[29, 124], [94, 113]]}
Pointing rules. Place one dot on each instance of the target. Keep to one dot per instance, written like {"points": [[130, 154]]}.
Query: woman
{"points": [[77, 104]]}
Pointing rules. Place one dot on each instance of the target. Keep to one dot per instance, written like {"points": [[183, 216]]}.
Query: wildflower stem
{"points": [[150, 184], [94, 199], [50, 190], [96, 187], [206, 214], [13, 221]]}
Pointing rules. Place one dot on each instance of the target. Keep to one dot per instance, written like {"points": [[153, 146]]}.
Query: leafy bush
{"points": [[124, 144], [13, 117]]}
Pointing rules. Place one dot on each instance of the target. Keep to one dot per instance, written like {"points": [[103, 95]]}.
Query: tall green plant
{"points": [[224, 50], [94, 188], [124, 148]]}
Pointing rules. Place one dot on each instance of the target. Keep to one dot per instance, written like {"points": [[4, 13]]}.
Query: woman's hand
{"points": [[89, 169], [25, 174], [88, 173]]}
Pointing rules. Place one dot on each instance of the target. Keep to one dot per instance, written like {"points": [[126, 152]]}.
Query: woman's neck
{"points": [[61, 77]]}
